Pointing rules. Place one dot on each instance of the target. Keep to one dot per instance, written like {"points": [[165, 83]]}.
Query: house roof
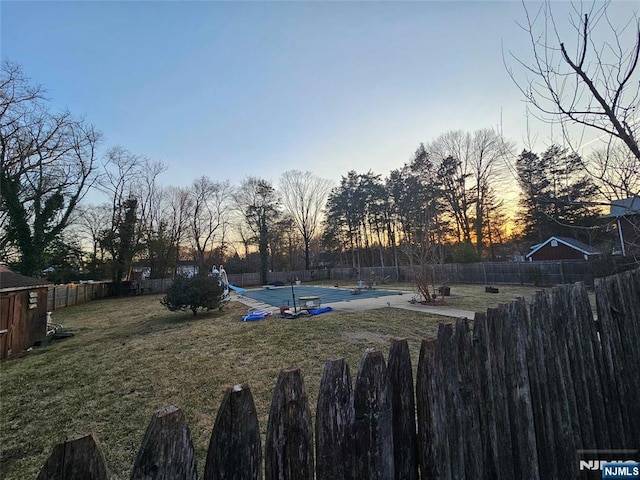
{"points": [[626, 206], [568, 241], [9, 280]]}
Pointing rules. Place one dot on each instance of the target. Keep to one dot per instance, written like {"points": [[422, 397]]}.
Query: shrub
{"points": [[193, 293]]}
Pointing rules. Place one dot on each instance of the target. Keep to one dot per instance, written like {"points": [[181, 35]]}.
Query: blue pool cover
{"points": [[278, 296]]}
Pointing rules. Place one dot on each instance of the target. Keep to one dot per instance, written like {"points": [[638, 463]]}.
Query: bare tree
{"points": [[208, 219], [615, 171], [121, 168], [47, 164], [593, 84], [121, 171], [176, 204], [303, 197], [91, 223], [468, 166], [258, 202], [150, 194]]}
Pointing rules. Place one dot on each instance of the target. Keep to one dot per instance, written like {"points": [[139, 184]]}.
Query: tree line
{"points": [[448, 202]]}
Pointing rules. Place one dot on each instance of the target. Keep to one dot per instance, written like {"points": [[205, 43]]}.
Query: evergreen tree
{"points": [[557, 196]]}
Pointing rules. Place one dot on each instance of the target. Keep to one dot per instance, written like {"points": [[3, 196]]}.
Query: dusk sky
{"points": [[229, 89]]}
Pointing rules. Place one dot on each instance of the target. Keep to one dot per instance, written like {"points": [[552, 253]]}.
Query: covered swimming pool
{"points": [[278, 296]]}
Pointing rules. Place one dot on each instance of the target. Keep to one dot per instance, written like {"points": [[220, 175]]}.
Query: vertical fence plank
{"points": [[523, 439], [441, 430], [427, 412], [51, 299], [405, 459], [374, 427], [76, 459], [289, 443], [166, 451], [538, 349], [482, 379], [586, 336], [335, 424], [559, 318], [235, 450], [446, 357], [559, 404], [469, 414], [574, 333], [500, 430]]}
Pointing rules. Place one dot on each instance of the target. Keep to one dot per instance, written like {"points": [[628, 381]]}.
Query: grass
{"points": [[130, 357], [474, 298]]}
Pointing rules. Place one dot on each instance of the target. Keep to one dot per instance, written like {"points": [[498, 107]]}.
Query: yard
{"points": [[130, 357]]}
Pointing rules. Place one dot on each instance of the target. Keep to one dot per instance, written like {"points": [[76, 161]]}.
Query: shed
{"points": [[23, 311], [561, 248]]}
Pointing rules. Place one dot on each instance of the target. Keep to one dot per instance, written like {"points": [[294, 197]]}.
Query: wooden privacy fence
{"points": [[60, 296], [514, 395]]}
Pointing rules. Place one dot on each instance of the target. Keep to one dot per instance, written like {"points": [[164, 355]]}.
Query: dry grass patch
{"points": [[130, 357], [474, 297]]}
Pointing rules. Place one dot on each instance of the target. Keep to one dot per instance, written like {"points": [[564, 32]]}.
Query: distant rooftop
{"points": [[9, 280], [570, 242], [626, 206]]}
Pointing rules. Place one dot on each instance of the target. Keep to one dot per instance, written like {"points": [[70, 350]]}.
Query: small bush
{"points": [[193, 293]]}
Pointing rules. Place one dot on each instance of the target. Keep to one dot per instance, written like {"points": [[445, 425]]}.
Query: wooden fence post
{"points": [[428, 433], [578, 359], [558, 407], [559, 316], [403, 411], [76, 459], [500, 429], [446, 359], [482, 387], [525, 453], [335, 424], [374, 427], [166, 451], [469, 413], [585, 338], [289, 442], [235, 450], [538, 352]]}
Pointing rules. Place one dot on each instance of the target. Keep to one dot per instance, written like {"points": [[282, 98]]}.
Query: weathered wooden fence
{"points": [[514, 395], [67, 295], [60, 296]]}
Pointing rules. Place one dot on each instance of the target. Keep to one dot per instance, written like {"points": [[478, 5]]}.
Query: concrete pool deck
{"points": [[401, 300]]}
